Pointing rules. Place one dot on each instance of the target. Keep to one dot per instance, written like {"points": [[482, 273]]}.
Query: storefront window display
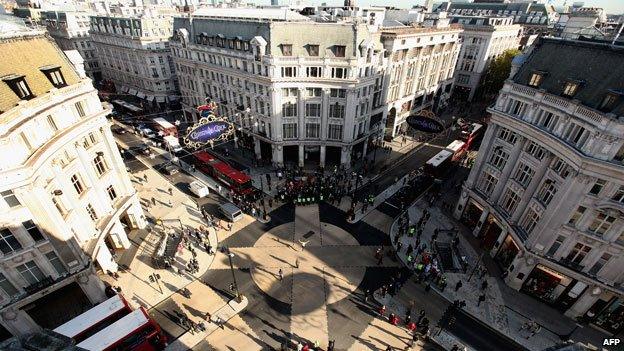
{"points": [[611, 318], [545, 284], [471, 215], [507, 252]]}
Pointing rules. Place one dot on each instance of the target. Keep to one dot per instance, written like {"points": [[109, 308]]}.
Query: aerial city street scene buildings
{"points": [[297, 175]]}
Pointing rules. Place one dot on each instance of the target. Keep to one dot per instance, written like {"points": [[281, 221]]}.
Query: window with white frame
{"points": [[602, 261], [313, 110], [339, 72], [289, 72], [75, 179], [499, 157], [334, 131], [510, 201], [112, 194], [530, 220], [313, 130], [547, 191], [290, 92], [555, 246], [619, 195], [9, 197], [524, 174], [601, 223], [487, 183], [289, 110], [597, 187], [56, 263], [80, 108], [570, 89], [336, 111], [548, 120], [578, 253], [100, 164], [289, 130], [8, 242], [30, 272], [314, 72], [535, 150], [507, 135], [338, 93], [314, 92], [7, 286], [33, 230], [536, 80], [52, 123], [577, 215], [91, 212], [561, 168]]}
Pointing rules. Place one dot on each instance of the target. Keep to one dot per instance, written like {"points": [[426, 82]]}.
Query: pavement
{"points": [[499, 310]]}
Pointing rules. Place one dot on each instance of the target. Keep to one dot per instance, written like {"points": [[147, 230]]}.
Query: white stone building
{"points": [[308, 91], [419, 66], [67, 200], [70, 30], [483, 40], [546, 193], [134, 54]]}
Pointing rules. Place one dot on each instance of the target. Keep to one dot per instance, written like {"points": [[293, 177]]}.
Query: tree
{"points": [[497, 73]]}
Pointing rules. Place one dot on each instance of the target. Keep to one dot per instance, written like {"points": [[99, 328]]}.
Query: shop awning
{"points": [[141, 95], [132, 91], [149, 98], [160, 99]]}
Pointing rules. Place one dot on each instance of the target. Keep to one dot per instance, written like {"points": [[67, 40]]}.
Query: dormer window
{"points": [[536, 79], [609, 102], [339, 50], [571, 88], [19, 86], [313, 50], [54, 76], [286, 49]]}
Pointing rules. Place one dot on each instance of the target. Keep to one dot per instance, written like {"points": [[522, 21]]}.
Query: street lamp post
{"points": [[236, 292]]}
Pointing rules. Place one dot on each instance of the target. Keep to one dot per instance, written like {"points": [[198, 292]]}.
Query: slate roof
{"points": [[25, 56], [598, 66]]}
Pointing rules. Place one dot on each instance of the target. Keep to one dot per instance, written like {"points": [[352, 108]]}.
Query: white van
{"points": [[198, 188], [230, 211]]}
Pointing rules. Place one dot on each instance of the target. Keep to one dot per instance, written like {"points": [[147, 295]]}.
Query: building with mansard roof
{"points": [[546, 193]]}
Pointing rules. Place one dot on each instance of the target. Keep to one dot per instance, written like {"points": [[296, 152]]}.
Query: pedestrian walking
{"points": [[481, 299], [299, 346], [280, 274], [455, 348], [154, 201], [535, 328], [421, 316], [380, 260], [382, 311], [145, 177], [366, 295], [484, 285], [458, 285], [170, 191], [331, 345], [297, 262], [170, 204]]}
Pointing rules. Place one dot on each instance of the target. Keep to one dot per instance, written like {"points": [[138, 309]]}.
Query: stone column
{"points": [[257, 148], [322, 157], [18, 322], [522, 267], [345, 156], [301, 155], [584, 302], [92, 286], [482, 219], [278, 155]]}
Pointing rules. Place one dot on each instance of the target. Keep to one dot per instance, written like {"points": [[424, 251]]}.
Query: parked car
{"points": [[231, 212], [199, 189], [145, 150], [170, 169]]}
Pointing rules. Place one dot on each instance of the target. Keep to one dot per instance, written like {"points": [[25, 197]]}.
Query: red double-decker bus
{"points": [[133, 332], [95, 319], [472, 135], [235, 180]]}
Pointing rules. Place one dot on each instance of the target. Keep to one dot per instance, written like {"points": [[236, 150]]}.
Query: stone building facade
{"points": [[67, 200], [546, 193]]}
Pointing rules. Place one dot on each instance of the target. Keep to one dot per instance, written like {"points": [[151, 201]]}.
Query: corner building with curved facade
{"points": [[310, 92], [546, 193], [66, 198]]}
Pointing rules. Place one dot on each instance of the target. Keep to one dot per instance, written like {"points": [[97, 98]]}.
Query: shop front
{"points": [[607, 313], [508, 250], [471, 215], [490, 231], [548, 285]]}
